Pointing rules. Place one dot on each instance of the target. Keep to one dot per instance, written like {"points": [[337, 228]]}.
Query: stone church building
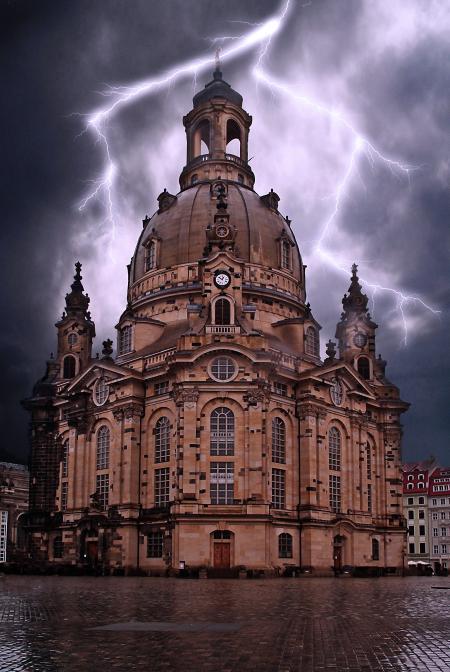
{"points": [[217, 438]]}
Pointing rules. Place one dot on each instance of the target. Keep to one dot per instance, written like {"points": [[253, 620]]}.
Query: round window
{"points": [[337, 392], [223, 368], [73, 338], [101, 392]]}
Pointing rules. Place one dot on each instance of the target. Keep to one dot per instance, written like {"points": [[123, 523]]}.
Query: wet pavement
{"points": [[53, 624]]}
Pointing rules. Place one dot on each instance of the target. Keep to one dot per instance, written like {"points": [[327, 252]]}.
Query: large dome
{"points": [[181, 229]]}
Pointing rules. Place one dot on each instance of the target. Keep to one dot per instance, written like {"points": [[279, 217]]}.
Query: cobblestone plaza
{"points": [[52, 624]]}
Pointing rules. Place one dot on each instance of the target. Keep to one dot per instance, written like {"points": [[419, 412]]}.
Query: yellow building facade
{"points": [[217, 439]]}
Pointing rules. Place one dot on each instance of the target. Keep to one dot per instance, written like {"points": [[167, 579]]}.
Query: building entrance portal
{"points": [[222, 555]]}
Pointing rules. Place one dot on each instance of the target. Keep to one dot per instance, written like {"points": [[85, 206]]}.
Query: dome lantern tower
{"points": [[216, 120]]}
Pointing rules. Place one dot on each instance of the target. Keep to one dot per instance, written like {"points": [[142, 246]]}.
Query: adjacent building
{"points": [[416, 481], [439, 519], [217, 437], [14, 486]]}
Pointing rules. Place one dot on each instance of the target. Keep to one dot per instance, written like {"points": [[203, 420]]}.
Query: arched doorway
{"points": [[338, 553]]}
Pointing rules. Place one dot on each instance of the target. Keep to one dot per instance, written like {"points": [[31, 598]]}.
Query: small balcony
{"points": [[222, 329]]}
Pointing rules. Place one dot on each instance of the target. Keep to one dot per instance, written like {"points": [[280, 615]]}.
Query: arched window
{"points": [[222, 311], [155, 544], [150, 256], [201, 139], [103, 441], [375, 549], [194, 179], [278, 441], [65, 459], [312, 342], [72, 339], [69, 366], [162, 440], [334, 449], [125, 339], [222, 432], [285, 254], [233, 138], [364, 368], [284, 545]]}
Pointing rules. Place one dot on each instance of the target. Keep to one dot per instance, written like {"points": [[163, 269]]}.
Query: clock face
{"points": [[222, 279], [360, 339]]}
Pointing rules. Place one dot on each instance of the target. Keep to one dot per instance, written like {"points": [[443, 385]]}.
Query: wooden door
{"points": [[92, 552], [337, 557], [222, 555]]}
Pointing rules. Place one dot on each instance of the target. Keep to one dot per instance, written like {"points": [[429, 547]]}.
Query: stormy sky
{"points": [[351, 119]]}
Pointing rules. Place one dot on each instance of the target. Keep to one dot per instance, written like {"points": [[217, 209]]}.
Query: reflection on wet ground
{"points": [[54, 624]]}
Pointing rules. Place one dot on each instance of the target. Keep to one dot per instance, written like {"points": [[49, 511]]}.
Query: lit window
{"points": [[223, 368], [65, 459], [221, 482], [101, 391], [222, 432], [312, 342], [285, 545], [285, 254], [162, 440], [150, 256], [278, 488], [162, 485], [72, 339], [103, 441], [102, 490], [69, 367], [278, 441], [335, 493], [125, 339], [155, 544], [334, 449]]}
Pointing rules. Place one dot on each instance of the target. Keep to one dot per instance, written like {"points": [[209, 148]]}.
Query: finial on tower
{"points": [[355, 301], [217, 73]]}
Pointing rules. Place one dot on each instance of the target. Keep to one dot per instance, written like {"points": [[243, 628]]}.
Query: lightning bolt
{"points": [[259, 36]]}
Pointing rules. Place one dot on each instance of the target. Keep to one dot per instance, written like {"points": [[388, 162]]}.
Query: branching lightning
{"points": [[259, 36]]}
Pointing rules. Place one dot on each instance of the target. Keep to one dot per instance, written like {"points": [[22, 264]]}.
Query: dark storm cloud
{"points": [[384, 66]]}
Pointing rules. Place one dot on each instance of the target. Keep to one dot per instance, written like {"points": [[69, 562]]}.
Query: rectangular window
{"points": [[150, 256], [64, 495], [421, 500], [444, 548], [102, 490], [443, 501], [421, 514], [162, 485], [369, 498], [3, 534], [435, 531], [422, 530], [125, 339], [411, 530], [442, 515], [155, 544], [422, 548], [410, 501], [280, 388], [434, 515], [443, 531], [434, 502], [335, 493], [412, 548], [410, 515], [162, 387], [221, 482], [435, 550], [279, 488]]}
